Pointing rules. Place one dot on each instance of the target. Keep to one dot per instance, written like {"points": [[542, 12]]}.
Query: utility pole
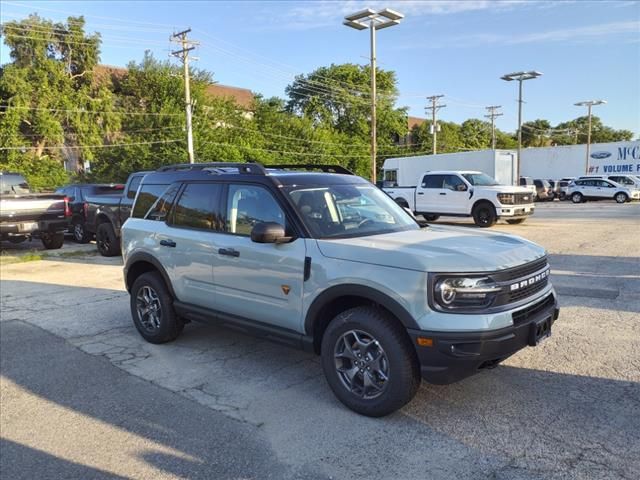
{"points": [[493, 113], [589, 104], [183, 55], [434, 125]]}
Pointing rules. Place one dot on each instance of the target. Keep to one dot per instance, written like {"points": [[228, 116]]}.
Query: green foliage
{"points": [[42, 173]]}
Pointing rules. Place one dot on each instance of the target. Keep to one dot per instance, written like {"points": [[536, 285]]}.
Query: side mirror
{"points": [[269, 232], [461, 187]]}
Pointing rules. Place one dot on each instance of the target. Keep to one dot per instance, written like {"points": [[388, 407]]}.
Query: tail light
{"points": [[67, 210], [85, 210]]}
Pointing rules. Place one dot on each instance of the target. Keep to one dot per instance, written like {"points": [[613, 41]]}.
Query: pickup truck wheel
{"points": [[369, 361], [52, 241], [80, 234], [621, 197], [106, 241], [152, 309], [516, 221], [577, 198], [484, 215], [431, 218]]}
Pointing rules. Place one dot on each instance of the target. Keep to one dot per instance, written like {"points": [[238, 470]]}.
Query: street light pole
{"points": [[520, 77], [373, 21], [589, 104]]}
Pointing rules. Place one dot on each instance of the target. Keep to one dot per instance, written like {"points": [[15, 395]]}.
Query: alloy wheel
{"points": [[361, 364], [148, 308]]}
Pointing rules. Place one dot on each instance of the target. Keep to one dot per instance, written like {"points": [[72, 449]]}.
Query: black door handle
{"points": [[443, 193], [420, 193], [167, 243], [230, 252]]}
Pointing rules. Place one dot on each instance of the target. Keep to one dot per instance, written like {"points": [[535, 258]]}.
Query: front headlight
{"points": [[462, 293], [506, 198]]}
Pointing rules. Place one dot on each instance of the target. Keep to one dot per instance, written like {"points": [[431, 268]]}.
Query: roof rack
{"points": [[243, 167], [311, 167]]}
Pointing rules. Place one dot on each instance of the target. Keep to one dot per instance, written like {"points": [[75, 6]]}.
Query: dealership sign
{"points": [[627, 160]]}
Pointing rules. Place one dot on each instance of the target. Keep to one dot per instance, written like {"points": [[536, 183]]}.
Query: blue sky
{"points": [[585, 49]]}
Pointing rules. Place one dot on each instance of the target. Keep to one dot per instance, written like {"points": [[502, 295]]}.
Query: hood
{"points": [[436, 249]]}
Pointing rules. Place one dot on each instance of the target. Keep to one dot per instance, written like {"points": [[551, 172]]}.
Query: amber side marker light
{"points": [[425, 342]]}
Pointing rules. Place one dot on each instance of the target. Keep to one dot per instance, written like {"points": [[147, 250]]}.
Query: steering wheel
{"points": [[366, 221]]}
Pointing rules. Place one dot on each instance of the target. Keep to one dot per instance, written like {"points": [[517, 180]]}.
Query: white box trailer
{"points": [[405, 171], [571, 161]]}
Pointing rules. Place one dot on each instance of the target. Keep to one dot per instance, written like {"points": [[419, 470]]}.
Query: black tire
{"points": [[400, 360], [168, 326], [107, 241], [516, 221], [563, 196], [52, 241], [484, 215], [621, 197], [577, 197], [431, 218], [79, 231]]}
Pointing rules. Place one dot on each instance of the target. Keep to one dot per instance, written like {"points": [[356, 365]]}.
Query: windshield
{"points": [[13, 184], [480, 179], [339, 211]]}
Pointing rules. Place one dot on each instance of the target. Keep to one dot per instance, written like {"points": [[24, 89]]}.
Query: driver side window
{"points": [[453, 182], [248, 205]]}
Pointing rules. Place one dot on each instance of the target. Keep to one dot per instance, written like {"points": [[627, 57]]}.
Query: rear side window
{"points": [[198, 207], [133, 186], [432, 181], [162, 206], [147, 197]]}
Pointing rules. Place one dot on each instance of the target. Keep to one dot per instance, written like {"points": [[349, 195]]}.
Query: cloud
{"points": [[577, 34], [326, 13]]}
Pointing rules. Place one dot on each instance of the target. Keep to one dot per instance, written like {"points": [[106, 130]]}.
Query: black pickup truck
{"points": [[105, 215], [25, 215]]}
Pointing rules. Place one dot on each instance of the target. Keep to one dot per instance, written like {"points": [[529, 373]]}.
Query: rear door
{"points": [[258, 281], [186, 243]]}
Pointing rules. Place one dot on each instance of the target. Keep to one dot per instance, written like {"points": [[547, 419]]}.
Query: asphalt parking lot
{"points": [[83, 396]]}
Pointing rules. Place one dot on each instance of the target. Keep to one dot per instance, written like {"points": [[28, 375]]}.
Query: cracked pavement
{"points": [[567, 409]]}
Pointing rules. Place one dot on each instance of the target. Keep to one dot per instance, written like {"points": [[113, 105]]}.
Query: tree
{"points": [[536, 133], [579, 127], [476, 134]]}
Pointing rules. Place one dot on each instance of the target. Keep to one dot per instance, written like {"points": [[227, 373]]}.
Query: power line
{"points": [[113, 145], [91, 112]]}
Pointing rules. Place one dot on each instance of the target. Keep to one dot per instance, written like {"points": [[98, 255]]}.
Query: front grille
{"points": [[520, 271], [528, 291], [519, 198], [522, 316]]}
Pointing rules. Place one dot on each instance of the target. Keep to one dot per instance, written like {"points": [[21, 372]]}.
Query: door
{"points": [[604, 189], [427, 193], [186, 243], [456, 195], [258, 281]]}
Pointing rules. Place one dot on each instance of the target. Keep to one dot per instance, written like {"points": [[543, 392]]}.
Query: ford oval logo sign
{"points": [[600, 155]]}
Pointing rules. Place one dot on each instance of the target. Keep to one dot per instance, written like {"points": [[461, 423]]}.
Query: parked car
{"points": [[527, 182], [598, 189], [106, 214], [465, 194], [544, 191], [77, 195], [563, 189], [25, 215], [329, 263], [629, 181]]}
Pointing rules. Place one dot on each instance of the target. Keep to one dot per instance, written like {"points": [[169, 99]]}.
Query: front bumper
{"points": [[454, 356], [515, 210]]}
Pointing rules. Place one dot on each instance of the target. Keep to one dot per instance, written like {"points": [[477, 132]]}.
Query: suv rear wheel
{"points": [[369, 361], [484, 215], [152, 309], [106, 240]]}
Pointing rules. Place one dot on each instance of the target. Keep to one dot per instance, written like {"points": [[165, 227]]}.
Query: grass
{"points": [[7, 258]]}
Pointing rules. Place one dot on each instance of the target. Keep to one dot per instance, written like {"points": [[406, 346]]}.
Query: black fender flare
{"points": [[139, 257], [355, 290]]}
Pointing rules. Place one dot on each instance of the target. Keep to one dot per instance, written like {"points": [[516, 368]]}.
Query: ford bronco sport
{"points": [[327, 262]]}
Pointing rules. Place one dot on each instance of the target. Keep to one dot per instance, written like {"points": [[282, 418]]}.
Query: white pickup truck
{"points": [[465, 194]]}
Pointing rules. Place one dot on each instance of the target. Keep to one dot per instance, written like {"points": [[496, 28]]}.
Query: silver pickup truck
{"points": [[25, 215]]}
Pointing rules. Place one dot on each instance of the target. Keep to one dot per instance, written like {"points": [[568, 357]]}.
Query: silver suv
{"points": [[327, 262]]}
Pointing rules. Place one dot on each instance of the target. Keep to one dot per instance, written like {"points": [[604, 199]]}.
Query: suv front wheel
{"points": [[369, 361], [152, 309]]}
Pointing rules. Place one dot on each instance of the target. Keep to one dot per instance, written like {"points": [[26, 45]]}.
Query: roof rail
{"points": [[311, 167], [243, 167]]}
